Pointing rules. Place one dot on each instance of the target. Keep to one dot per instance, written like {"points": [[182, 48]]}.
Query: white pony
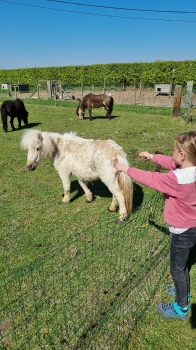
{"points": [[86, 159]]}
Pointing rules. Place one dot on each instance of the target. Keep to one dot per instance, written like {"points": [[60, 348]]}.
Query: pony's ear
{"points": [[39, 136]]}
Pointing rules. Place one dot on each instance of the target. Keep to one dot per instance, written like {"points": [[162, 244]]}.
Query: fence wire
{"points": [[90, 292]]}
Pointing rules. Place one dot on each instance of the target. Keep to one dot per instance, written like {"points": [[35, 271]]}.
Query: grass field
{"points": [[33, 223]]}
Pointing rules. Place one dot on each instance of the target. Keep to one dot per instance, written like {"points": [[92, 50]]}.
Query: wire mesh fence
{"points": [[142, 94], [90, 291]]}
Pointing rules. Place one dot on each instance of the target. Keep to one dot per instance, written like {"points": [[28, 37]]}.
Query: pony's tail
{"points": [[126, 186], [111, 104], [4, 117]]}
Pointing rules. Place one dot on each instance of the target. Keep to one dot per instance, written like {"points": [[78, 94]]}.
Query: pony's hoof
{"points": [[122, 219], [113, 211], [120, 222]]}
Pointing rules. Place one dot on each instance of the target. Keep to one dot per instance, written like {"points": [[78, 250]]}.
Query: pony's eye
{"points": [[38, 148]]}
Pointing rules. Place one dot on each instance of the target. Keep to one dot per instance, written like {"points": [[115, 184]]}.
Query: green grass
{"points": [[33, 223]]}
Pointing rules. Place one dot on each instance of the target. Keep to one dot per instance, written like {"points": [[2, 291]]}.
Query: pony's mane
{"points": [[82, 103], [69, 135], [28, 138], [48, 139]]}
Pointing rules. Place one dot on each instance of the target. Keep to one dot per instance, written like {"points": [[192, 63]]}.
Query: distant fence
{"points": [[90, 292], [139, 94]]}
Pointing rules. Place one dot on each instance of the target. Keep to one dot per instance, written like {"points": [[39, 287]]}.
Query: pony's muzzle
{"points": [[31, 166]]}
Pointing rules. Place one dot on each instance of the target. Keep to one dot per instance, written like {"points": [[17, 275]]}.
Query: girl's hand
{"points": [[146, 155], [121, 167]]}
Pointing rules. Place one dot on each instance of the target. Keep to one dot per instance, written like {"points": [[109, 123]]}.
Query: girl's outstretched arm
{"points": [[146, 155], [124, 168]]}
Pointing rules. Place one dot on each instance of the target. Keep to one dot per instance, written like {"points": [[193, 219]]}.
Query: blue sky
{"points": [[45, 33]]}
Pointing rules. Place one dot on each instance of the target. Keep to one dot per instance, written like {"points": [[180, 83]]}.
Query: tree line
{"points": [[178, 72]]}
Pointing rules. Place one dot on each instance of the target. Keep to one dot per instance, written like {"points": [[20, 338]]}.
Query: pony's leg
{"points": [[12, 123], [88, 193], [4, 121], [117, 198], [90, 113], [108, 113], [66, 186], [114, 205], [122, 207], [19, 122]]}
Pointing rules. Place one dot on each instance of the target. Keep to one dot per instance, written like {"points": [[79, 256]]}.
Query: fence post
{"points": [[10, 91], [188, 100], [170, 90], [123, 83], [177, 100], [104, 89], [61, 91], [49, 89], [82, 84], [135, 94], [140, 87], [15, 88], [55, 94]]}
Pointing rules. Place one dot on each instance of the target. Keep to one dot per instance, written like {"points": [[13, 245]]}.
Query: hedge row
{"points": [[149, 73]]}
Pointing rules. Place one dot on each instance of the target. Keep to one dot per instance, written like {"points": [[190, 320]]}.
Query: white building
{"points": [[164, 89], [5, 86]]}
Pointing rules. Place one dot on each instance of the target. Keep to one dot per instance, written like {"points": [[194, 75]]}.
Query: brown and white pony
{"points": [[94, 101], [87, 160]]}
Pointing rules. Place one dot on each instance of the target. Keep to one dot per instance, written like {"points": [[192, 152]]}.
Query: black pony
{"points": [[94, 101], [14, 109]]}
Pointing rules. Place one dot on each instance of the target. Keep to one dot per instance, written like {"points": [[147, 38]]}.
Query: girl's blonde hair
{"points": [[186, 143]]}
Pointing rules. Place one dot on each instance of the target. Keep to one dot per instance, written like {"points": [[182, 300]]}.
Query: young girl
{"points": [[179, 189]]}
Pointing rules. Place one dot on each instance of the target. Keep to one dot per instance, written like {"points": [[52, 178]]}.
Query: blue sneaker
{"points": [[173, 310], [172, 291]]}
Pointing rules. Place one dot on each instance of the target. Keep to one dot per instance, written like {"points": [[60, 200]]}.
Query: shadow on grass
{"points": [[138, 196], [163, 229], [30, 125], [192, 258], [191, 262], [24, 127], [100, 117], [193, 316], [98, 188]]}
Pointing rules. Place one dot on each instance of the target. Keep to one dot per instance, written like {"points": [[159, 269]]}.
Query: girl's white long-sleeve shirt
{"points": [[178, 187]]}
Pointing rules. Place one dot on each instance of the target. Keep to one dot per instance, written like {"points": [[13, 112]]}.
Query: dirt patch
{"points": [[145, 97]]}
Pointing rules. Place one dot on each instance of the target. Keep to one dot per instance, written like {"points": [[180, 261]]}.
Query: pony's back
{"points": [[19, 104]]}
